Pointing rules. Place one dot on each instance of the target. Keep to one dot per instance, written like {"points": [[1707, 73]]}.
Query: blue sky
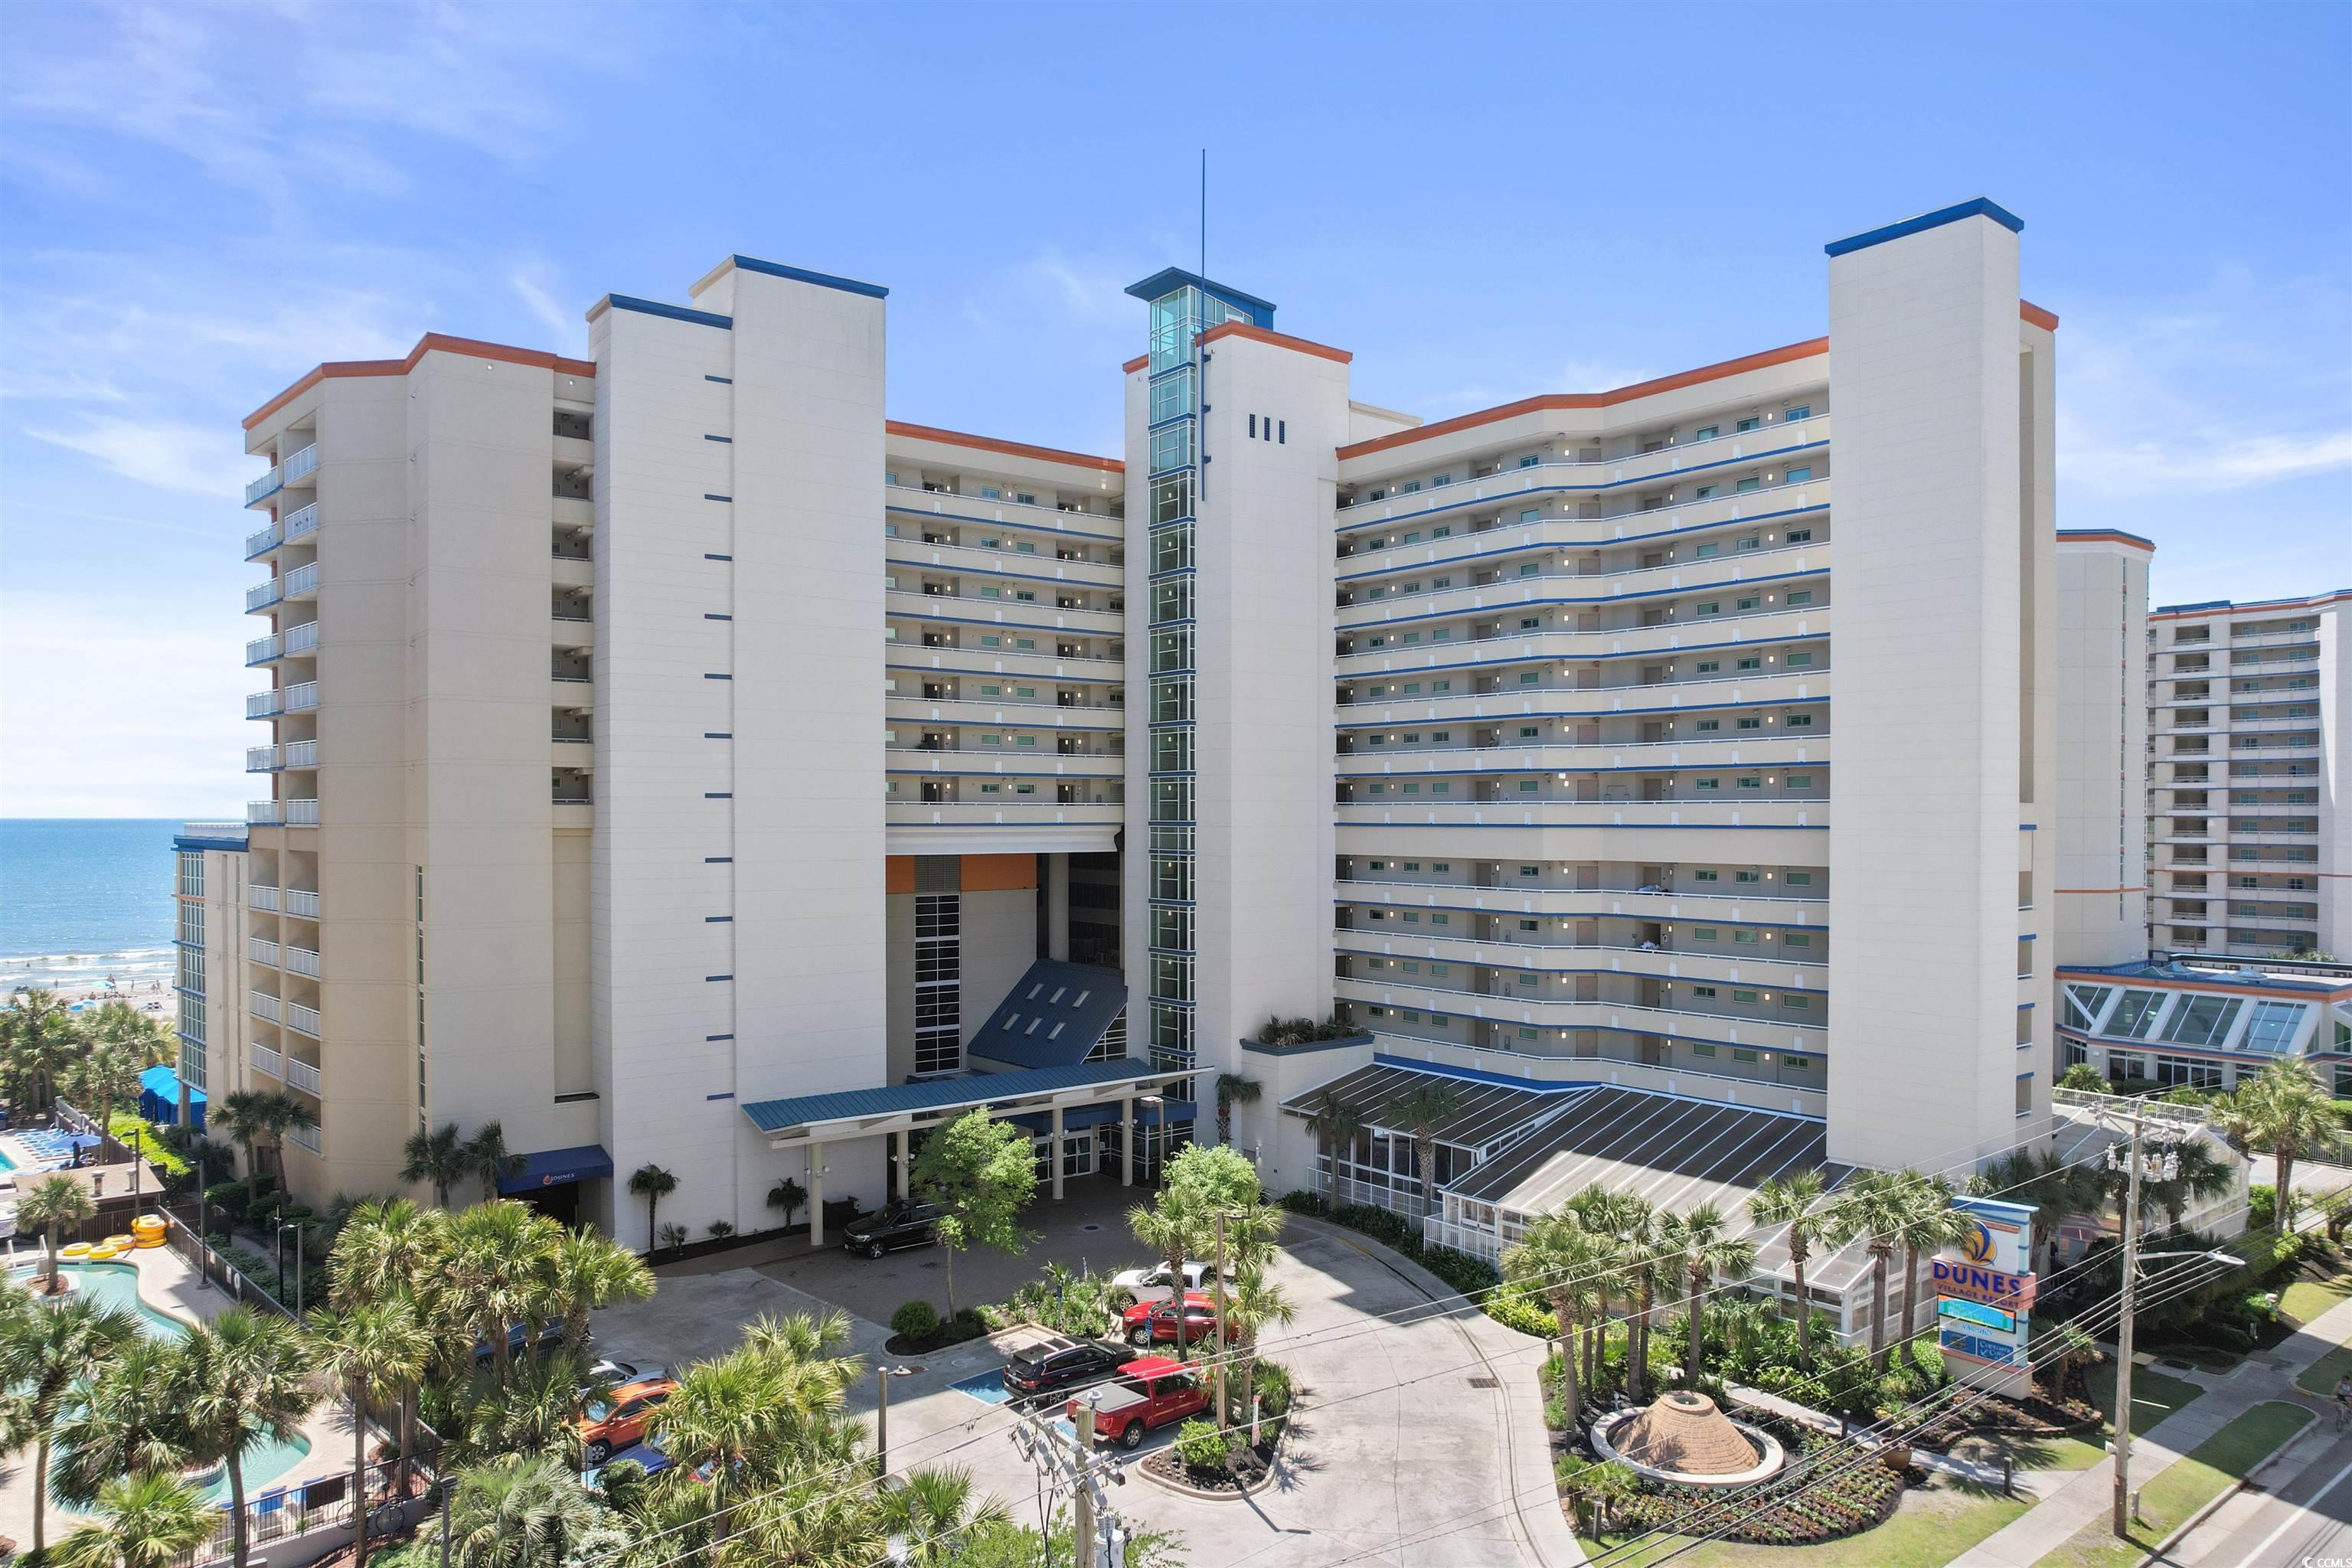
{"points": [[198, 202]]}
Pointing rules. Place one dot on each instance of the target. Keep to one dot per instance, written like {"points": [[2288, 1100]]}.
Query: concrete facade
{"points": [[2101, 737]]}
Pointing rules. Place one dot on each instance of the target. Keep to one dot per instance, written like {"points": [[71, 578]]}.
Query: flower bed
{"points": [[1802, 1506], [2046, 1414], [1245, 1469]]}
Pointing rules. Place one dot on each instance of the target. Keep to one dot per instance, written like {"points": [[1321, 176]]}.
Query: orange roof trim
{"points": [[2046, 319], [2104, 536], [1558, 400], [1011, 448], [1137, 362], [506, 353], [1279, 340]]}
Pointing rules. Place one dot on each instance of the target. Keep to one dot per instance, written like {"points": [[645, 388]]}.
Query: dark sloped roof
{"points": [[1053, 1016], [938, 1093], [1490, 1112]]}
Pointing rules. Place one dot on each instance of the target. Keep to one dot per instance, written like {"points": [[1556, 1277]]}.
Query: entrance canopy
{"points": [[864, 1113], [159, 1098], [553, 1167]]}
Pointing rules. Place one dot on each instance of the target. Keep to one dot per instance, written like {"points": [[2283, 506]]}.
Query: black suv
{"points": [[1058, 1363], [899, 1223]]}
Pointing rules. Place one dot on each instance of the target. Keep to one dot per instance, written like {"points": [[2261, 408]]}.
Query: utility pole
{"points": [[1082, 1535], [2121, 1523], [1218, 1350]]}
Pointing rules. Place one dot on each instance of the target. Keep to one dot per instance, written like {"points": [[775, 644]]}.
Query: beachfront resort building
{"points": [[684, 763], [2249, 834]]}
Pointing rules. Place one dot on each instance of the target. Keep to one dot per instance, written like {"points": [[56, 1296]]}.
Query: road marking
{"points": [[2310, 1504]]}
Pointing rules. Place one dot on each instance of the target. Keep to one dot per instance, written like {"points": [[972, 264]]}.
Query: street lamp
{"points": [[882, 1376], [297, 1229]]}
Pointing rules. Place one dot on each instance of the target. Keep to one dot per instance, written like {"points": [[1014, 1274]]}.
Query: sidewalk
{"points": [[2090, 1494]]}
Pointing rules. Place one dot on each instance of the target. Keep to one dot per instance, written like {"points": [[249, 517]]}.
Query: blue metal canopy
{"points": [[940, 1093], [159, 1098], [1079, 1117], [553, 1167], [1054, 1015]]}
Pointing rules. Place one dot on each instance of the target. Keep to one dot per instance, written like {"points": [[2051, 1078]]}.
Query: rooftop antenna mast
{"points": [[1205, 212]]}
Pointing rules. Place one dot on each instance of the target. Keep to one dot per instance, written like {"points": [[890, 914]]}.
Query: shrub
{"points": [[153, 1144], [1469, 1276], [1300, 1201], [1515, 1311], [916, 1320], [1272, 1381], [233, 1196], [967, 1324], [1201, 1445], [675, 1235], [719, 1230], [2262, 1205]]}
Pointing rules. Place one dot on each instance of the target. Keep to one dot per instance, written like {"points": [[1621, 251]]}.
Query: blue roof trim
{"points": [[182, 841], [802, 275], [931, 1094], [675, 312], [1980, 207], [1077, 1119], [1168, 280]]}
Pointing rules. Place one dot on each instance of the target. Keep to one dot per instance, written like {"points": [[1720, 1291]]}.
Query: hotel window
{"points": [[1800, 660], [2135, 1015], [1750, 423], [1705, 492], [1748, 876], [2205, 1020], [1800, 536], [1740, 1055], [1707, 667], [1531, 569], [1532, 514], [1753, 661], [1750, 722], [1704, 550], [1743, 995], [1791, 999], [1801, 411], [1706, 433], [1798, 1064], [939, 969], [1707, 607], [1526, 786], [1800, 879], [1701, 1048], [1706, 786], [1532, 459], [1798, 476], [1707, 876], [1703, 934], [2272, 1027], [1703, 993], [1748, 602], [2080, 1004], [1801, 596], [1800, 781], [1745, 937], [1798, 721], [1744, 486], [1796, 939], [1530, 870]]}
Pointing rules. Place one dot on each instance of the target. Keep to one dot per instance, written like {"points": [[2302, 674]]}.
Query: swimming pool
{"points": [[117, 1285]]}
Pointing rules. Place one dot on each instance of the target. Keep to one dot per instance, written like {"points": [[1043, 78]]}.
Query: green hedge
{"points": [[124, 1124]]}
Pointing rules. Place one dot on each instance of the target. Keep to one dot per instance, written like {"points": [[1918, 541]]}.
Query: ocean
{"points": [[84, 900]]}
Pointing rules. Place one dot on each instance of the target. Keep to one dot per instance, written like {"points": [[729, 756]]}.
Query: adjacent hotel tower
{"points": [[679, 762]]}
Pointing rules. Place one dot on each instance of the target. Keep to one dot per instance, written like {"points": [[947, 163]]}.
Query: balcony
{"points": [[949, 507], [265, 814], [572, 693], [260, 896], [292, 469], [1556, 812], [261, 650], [305, 1137], [302, 901], [1014, 811], [269, 1060], [984, 610], [1593, 472], [1757, 903], [299, 753], [300, 639], [263, 1006], [980, 560], [261, 949], [261, 759], [301, 1075], [261, 595], [997, 760], [1566, 642], [301, 814], [301, 696], [302, 1019], [300, 960], [262, 539], [265, 704]]}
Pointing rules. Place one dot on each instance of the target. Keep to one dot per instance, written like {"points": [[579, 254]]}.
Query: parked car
{"points": [[1151, 1392], [1157, 1284], [898, 1223], [607, 1426], [519, 1341], [1149, 1323], [609, 1373], [1058, 1363]]}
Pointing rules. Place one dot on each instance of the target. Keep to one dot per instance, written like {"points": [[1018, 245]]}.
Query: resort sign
{"points": [[1983, 1297]]}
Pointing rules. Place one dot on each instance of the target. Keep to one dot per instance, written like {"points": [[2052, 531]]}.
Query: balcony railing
{"points": [[301, 813], [261, 595], [307, 1137], [303, 578], [1730, 445], [300, 960], [261, 949], [303, 902], [302, 1075], [305, 1019], [299, 639], [260, 759], [299, 753], [261, 896], [269, 1060], [261, 649], [261, 1004], [261, 539], [301, 696], [264, 704], [265, 813], [301, 521]]}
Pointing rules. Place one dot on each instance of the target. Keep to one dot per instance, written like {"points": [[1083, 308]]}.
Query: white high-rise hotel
{"points": [[1691, 747]]}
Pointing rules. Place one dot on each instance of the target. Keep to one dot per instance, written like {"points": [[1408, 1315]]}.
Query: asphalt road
{"points": [[2303, 1519]]}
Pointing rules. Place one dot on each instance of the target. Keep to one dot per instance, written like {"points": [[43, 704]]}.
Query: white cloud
{"points": [[149, 721], [192, 459], [568, 329], [2195, 460]]}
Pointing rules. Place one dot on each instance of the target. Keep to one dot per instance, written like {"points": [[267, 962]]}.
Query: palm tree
{"points": [[520, 1510], [589, 1271], [1426, 1109], [146, 1520], [390, 1249], [1926, 1224], [41, 1036], [2288, 1113], [2202, 1174], [1335, 1125], [2057, 1189], [113, 1425], [725, 1414], [1173, 1227], [376, 1352], [438, 1157], [526, 1409], [934, 1510], [787, 1195], [1254, 1304], [240, 1381], [109, 1069], [1600, 1486], [490, 1159], [498, 1257], [1234, 1089], [259, 1122], [148, 1039], [1793, 1205], [1697, 1239], [44, 1353], [1560, 1260], [55, 1202], [1872, 1210], [652, 1184]]}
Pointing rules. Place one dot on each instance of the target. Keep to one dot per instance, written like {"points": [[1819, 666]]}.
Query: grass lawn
{"points": [[2032, 1453], [2185, 1485], [2154, 1395], [2316, 1290], [1934, 1525], [2320, 1376]]}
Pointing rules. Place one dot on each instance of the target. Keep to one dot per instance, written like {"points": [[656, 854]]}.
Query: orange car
{"points": [[607, 1426]]}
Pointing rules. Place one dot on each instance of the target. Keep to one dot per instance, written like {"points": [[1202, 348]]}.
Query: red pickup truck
{"points": [[1150, 1392]]}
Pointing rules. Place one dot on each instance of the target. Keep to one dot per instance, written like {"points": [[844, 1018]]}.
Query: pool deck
{"points": [[169, 1284]]}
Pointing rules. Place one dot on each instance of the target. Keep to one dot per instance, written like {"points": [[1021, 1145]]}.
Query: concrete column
{"points": [[1056, 1145], [816, 1194], [1058, 910], [898, 1183], [1127, 1143]]}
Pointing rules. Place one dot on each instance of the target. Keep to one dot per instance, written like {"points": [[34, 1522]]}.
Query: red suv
{"points": [[1156, 1322]]}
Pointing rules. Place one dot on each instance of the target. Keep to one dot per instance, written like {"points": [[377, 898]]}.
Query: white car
{"points": [[1156, 1284]]}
